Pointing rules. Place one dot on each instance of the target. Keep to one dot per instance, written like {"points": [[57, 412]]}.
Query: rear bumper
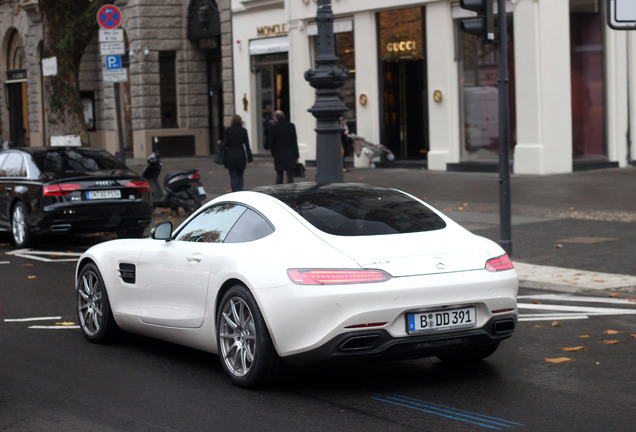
{"points": [[93, 218], [379, 344]]}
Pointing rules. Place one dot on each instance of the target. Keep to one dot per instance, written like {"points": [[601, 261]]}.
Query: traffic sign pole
{"points": [[112, 46]]}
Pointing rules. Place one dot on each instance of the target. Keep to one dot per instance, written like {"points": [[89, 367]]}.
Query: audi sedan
{"points": [[53, 190], [304, 273]]}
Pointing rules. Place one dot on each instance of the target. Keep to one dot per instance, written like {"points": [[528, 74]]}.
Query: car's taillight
{"points": [[500, 263], [336, 277], [140, 186], [61, 189]]}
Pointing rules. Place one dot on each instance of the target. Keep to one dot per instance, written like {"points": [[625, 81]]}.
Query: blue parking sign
{"points": [[113, 62]]}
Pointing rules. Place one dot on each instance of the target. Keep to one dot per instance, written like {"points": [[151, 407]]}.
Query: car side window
{"points": [[251, 226], [13, 166], [3, 156], [213, 224]]}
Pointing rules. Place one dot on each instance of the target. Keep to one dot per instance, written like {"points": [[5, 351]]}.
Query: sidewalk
{"points": [[570, 232]]}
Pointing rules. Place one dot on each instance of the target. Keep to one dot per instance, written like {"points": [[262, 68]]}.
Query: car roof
{"points": [[311, 188]]}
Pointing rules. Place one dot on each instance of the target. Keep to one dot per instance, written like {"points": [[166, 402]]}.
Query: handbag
{"points": [[300, 170], [220, 155]]}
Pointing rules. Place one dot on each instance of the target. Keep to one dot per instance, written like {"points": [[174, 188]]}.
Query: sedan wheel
{"points": [[20, 226], [246, 349], [93, 308]]}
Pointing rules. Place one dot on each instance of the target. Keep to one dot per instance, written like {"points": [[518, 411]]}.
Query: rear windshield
{"points": [[360, 211], [63, 161]]}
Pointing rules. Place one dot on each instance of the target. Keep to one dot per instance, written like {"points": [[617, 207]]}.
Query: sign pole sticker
{"points": [[109, 17]]}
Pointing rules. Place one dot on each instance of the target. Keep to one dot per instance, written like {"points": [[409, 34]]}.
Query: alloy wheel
{"points": [[237, 336], [18, 225], [89, 304]]}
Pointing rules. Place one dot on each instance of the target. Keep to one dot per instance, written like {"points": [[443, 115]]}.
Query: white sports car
{"points": [[303, 273]]}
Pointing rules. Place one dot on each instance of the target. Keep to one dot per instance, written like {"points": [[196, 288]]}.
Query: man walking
{"points": [[283, 144]]}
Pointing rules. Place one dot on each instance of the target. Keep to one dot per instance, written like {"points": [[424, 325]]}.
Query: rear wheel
{"points": [[20, 226], [470, 355], [245, 346], [93, 307]]}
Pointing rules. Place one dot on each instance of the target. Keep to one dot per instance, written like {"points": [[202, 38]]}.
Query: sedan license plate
{"points": [[103, 194], [433, 321]]}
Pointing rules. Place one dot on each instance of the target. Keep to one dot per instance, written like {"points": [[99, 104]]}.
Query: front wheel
{"points": [[93, 307], [20, 230], [245, 346]]}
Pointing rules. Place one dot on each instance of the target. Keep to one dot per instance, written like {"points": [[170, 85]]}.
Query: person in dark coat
{"points": [[237, 152], [284, 147]]}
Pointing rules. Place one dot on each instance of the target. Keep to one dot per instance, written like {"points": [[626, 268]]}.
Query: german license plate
{"points": [[434, 321], [103, 194]]}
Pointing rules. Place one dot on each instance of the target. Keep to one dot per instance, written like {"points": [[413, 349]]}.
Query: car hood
{"points": [[448, 250]]}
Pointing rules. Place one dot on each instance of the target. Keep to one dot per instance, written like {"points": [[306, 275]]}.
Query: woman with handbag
{"points": [[236, 146]]}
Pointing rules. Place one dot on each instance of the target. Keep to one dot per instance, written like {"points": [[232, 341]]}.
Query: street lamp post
{"points": [[328, 108]]}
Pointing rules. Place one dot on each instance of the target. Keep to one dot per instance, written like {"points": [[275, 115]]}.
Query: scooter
{"points": [[182, 188]]}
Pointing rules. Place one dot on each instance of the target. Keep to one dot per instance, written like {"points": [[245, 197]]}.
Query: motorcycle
{"points": [[183, 189]]}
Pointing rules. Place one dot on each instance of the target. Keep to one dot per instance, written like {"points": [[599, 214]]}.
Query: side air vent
{"points": [[127, 272]]}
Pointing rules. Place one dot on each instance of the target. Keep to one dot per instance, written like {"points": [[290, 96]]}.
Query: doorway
{"points": [[215, 99], [272, 80], [405, 109], [403, 85]]}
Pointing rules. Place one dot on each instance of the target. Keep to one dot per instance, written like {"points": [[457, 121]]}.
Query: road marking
{"points": [[44, 255], [56, 327], [448, 412], [33, 319], [5, 262], [570, 312]]}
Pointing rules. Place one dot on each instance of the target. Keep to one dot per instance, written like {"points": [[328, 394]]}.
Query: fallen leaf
{"points": [[572, 208], [32, 277], [556, 324], [611, 332], [577, 348], [610, 342], [537, 302], [613, 295], [584, 336], [600, 281], [538, 326], [558, 246], [65, 323], [633, 335], [558, 360], [27, 265], [632, 299]]}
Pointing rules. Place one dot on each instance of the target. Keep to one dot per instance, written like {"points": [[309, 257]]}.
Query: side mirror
{"points": [[163, 231]]}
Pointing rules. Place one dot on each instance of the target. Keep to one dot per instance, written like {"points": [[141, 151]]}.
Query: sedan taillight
{"points": [[500, 263], [61, 189], [139, 186], [336, 277]]}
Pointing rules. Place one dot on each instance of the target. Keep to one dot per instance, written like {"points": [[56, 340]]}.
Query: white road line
{"points": [[43, 255], [5, 262], [579, 299], [33, 319], [57, 327]]}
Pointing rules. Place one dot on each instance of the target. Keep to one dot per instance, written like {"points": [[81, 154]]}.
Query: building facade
{"points": [[179, 92], [429, 92]]}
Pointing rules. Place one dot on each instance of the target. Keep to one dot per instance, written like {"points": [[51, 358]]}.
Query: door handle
{"points": [[196, 258]]}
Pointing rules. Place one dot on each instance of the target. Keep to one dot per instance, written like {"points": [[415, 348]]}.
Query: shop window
{"points": [[168, 89], [480, 96], [345, 51]]}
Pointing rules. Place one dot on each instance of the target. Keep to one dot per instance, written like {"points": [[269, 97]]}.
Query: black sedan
{"points": [[48, 190]]}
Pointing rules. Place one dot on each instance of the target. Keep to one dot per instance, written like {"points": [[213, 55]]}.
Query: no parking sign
{"points": [[109, 17]]}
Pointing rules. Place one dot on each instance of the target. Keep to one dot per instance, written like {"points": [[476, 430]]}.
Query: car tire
{"points": [[246, 350], [470, 355], [20, 231], [93, 307]]}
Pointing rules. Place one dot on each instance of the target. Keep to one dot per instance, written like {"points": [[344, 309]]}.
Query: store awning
{"points": [[269, 45]]}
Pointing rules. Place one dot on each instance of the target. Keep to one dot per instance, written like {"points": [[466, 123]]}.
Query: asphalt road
{"points": [[51, 378]]}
